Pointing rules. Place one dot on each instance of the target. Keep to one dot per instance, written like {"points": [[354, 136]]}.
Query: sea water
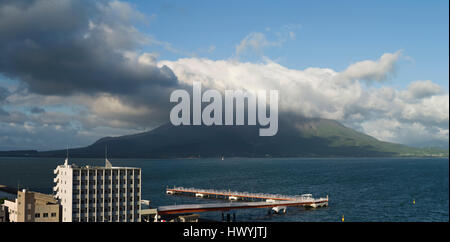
{"points": [[361, 189]]}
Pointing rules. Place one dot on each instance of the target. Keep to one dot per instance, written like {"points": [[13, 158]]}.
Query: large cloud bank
{"points": [[416, 115]]}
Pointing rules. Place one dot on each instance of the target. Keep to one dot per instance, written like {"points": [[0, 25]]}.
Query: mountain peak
{"points": [[296, 137]]}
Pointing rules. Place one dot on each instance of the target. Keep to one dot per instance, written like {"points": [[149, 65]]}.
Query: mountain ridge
{"points": [[305, 137]]}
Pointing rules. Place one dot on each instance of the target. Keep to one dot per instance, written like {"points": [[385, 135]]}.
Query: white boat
{"points": [[279, 209]]}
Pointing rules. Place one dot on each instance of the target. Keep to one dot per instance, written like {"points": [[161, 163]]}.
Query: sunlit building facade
{"points": [[97, 193]]}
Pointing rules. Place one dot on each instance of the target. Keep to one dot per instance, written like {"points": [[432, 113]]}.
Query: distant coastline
{"points": [[44, 154]]}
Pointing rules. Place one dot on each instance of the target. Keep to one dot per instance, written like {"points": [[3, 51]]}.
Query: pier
{"points": [[234, 195], [278, 203], [9, 190], [208, 207]]}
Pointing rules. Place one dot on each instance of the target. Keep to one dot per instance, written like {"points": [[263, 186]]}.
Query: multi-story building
{"points": [[98, 194], [3, 217], [33, 207]]}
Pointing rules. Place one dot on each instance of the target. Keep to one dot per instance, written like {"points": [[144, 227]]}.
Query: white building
{"points": [[98, 194]]}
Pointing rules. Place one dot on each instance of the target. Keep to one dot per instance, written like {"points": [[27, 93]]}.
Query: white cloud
{"points": [[384, 112], [370, 70], [256, 41], [423, 89]]}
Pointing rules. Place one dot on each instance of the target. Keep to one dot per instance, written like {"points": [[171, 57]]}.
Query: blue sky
{"points": [[332, 34]]}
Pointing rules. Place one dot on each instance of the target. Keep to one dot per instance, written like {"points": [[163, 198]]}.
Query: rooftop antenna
{"points": [[107, 163], [66, 161]]}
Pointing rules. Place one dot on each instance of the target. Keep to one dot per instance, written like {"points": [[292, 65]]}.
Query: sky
{"points": [[72, 71]]}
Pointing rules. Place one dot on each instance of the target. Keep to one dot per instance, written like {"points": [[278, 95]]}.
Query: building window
{"points": [[45, 215], [37, 215], [53, 214]]}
